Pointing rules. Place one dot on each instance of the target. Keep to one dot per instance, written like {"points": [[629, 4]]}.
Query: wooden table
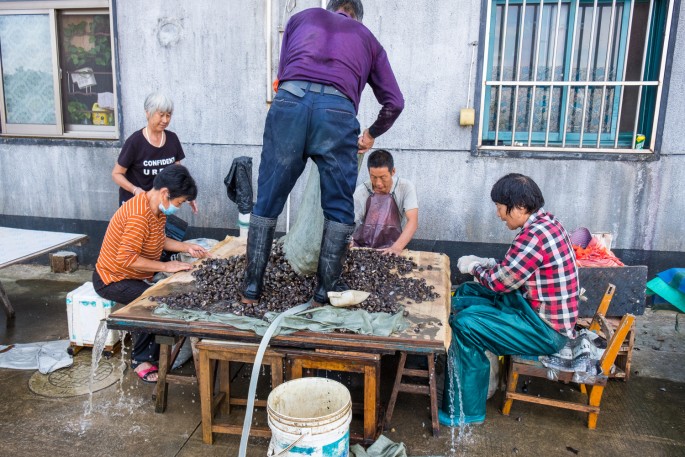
{"points": [[428, 333], [21, 245]]}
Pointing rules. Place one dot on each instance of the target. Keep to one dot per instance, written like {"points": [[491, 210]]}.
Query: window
{"points": [[573, 75], [57, 70]]}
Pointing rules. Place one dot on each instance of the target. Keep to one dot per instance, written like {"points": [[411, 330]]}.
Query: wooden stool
{"points": [[226, 352], [355, 362], [167, 356], [592, 387], [413, 388]]}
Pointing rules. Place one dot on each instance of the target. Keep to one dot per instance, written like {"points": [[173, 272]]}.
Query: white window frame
{"points": [[512, 145], [61, 129]]}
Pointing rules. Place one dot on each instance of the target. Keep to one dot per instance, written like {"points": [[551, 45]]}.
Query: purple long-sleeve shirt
{"points": [[334, 49]]}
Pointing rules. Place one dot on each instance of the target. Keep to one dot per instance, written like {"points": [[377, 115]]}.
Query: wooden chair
{"points": [[625, 354], [519, 366]]}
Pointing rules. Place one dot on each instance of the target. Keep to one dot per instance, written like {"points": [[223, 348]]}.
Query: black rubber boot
{"points": [[334, 244], [259, 239]]}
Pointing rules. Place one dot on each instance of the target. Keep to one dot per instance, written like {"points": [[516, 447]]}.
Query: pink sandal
{"points": [[145, 374]]}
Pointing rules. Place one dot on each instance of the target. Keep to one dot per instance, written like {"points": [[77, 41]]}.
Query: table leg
{"points": [[224, 368], [276, 373], [206, 398], [161, 390], [432, 386], [296, 369], [370, 402], [6, 303]]}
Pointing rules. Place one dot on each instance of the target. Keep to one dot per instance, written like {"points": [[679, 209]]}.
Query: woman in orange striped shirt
{"points": [[131, 249]]}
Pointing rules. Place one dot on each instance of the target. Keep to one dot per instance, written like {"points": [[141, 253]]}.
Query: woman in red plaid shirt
{"points": [[525, 304]]}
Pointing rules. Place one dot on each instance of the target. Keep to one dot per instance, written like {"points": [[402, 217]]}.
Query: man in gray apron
{"points": [[386, 208]]}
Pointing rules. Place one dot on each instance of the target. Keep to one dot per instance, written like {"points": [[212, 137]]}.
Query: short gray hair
{"points": [[158, 102], [351, 6]]}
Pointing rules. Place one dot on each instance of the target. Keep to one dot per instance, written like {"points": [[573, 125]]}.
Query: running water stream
{"points": [[463, 429], [96, 355]]}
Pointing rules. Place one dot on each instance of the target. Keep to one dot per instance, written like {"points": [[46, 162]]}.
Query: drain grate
{"points": [[74, 380]]}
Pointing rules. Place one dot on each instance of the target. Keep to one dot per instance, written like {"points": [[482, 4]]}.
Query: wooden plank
{"points": [[550, 402], [415, 372], [185, 379], [261, 432], [414, 389]]}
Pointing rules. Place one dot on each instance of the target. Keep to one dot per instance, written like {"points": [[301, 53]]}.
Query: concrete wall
{"points": [[210, 58]]}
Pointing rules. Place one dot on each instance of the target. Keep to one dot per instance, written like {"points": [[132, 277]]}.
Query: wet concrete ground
{"points": [[643, 416]]}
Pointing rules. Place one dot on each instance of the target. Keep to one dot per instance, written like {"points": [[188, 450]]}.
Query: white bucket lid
{"points": [[309, 402]]}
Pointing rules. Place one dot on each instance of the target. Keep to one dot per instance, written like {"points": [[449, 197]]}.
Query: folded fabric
{"points": [[46, 356], [579, 356], [383, 447]]}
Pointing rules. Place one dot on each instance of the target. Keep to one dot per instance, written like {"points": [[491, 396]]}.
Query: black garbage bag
{"points": [[238, 183]]}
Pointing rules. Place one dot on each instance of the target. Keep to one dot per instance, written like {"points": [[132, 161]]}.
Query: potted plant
{"points": [[78, 112]]}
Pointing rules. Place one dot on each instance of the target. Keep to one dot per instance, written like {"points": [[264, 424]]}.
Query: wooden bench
{"points": [[355, 362], [225, 352]]}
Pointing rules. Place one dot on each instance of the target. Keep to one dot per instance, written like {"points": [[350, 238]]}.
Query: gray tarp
{"points": [[46, 356], [383, 447]]}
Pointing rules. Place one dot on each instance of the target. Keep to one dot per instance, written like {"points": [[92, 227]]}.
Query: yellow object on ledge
{"points": [[101, 116]]}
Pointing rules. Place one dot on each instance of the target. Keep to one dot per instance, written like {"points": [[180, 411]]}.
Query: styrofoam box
{"points": [[85, 310]]}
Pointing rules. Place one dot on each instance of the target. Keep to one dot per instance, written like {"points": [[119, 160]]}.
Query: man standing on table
{"points": [[327, 58], [386, 208]]}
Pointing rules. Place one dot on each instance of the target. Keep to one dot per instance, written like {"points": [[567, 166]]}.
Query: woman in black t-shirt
{"points": [[147, 151]]}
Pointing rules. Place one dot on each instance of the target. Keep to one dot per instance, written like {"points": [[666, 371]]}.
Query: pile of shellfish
{"points": [[218, 281]]}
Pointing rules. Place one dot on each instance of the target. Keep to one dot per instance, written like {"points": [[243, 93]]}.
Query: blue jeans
{"points": [[322, 127]]}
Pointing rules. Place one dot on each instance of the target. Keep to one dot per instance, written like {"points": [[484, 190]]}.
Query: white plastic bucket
{"points": [[309, 417]]}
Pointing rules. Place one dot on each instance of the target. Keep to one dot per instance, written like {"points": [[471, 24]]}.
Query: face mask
{"points": [[168, 211]]}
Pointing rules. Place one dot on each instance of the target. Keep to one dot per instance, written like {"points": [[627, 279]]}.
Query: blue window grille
{"points": [[573, 74]]}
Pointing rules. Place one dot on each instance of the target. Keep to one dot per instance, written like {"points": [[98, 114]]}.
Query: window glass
{"points": [[27, 69], [86, 62]]}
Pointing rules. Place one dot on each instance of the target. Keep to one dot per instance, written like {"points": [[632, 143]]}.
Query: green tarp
{"points": [[323, 319]]}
